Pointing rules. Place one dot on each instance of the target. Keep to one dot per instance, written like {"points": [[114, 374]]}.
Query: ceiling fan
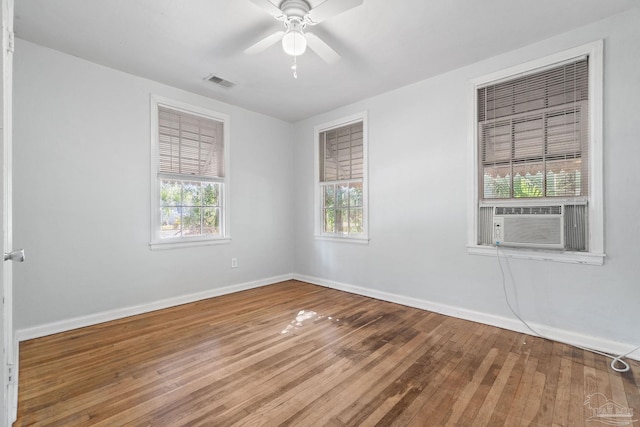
{"points": [[296, 16]]}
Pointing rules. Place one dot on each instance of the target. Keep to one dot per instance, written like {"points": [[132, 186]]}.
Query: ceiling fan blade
{"points": [[323, 50], [267, 6], [265, 43], [331, 8]]}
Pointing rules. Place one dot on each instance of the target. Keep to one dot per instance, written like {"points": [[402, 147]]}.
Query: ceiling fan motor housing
{"points": [[296, 9]]}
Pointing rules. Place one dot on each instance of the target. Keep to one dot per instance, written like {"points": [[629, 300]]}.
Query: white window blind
{"points": [[189, 145], [342, 154], [533, 134]]}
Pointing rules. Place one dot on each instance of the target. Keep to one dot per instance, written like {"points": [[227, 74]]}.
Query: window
{"points": [[341, 202], [188, 166], [538, 144], [533, 134]]}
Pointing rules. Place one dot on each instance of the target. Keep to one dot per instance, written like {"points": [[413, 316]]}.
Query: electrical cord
{"points": [[616, 360]]}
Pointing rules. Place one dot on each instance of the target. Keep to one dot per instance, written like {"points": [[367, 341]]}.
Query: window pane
{"points": [[210, 194], [191, 194], [342, 195], [342, 221], [563, 132], [329, 196], [357, 160], [355, 194], [344, 154], [170, 193], [528, 137], [496, 141], [211, 221], [330, 166], [496, 182], [191, 221], [528, 180], [355, 221], [564, 178], [170, 222], [329, 221]]}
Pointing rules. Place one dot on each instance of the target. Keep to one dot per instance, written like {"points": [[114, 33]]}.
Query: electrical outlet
{"points": [[234, 262]]}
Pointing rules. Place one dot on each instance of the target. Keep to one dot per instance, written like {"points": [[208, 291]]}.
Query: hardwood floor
{"points": [[295, 354]]}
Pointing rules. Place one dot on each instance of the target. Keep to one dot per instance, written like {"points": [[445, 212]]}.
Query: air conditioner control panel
{"points": [[498, 231]]}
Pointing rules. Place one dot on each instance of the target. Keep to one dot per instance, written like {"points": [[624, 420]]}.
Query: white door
{"points": [[9, 364]]}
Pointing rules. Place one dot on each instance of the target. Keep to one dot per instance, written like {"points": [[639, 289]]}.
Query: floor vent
{"points": [[220, 81]]}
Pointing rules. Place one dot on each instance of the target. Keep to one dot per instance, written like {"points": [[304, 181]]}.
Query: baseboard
{"points": [[556, 334], [106, 316]]}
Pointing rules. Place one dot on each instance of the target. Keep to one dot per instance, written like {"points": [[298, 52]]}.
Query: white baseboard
{"points": [[560, 335], [106, 316]]}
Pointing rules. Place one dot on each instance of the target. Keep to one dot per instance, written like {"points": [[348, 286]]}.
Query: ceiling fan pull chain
{"points": [[294, 67]]}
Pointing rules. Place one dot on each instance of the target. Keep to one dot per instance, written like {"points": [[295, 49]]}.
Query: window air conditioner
{"points": [[529, 226]]}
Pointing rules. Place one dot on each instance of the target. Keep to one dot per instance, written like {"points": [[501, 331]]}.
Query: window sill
{"points": [[588, 258], [160, 245], [355, 240]]}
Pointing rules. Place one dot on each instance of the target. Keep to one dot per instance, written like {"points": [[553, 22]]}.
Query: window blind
{"points": [[533, 134], [342, 153], [190, 145]]}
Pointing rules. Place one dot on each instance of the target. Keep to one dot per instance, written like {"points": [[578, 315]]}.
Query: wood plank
{"points": [[577, 393], [522, 394], [551, 364], [563, 393]]}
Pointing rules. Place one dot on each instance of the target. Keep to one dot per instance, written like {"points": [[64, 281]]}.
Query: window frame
{"points": [[362, 238], [595, 210], [156, 243]]}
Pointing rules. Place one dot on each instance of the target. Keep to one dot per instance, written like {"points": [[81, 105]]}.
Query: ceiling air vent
{"points": [[219, 81]]}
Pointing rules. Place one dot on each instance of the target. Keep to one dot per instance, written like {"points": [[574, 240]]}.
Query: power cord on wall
{"points": [[616, 360]]}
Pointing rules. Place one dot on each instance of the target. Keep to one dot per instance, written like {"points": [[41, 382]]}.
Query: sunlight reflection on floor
{"points": [[305, 316]]}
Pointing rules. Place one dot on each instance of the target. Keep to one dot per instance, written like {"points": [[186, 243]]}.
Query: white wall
{"points": [[419, 180], [81, 196]]}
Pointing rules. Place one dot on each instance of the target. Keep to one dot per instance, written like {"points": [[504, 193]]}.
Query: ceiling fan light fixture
{"points": [[294, 42]]}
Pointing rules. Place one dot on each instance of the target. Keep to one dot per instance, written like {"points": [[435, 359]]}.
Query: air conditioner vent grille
{"points": [[575, 225], [220, 81], [528, 210]]}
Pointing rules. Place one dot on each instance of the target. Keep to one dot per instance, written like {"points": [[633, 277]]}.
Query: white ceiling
{"points": [[385, 44]]}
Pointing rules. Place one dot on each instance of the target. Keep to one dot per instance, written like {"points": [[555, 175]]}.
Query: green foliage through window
{"points": [[189, 208], [557, 184], [342, 208]]}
